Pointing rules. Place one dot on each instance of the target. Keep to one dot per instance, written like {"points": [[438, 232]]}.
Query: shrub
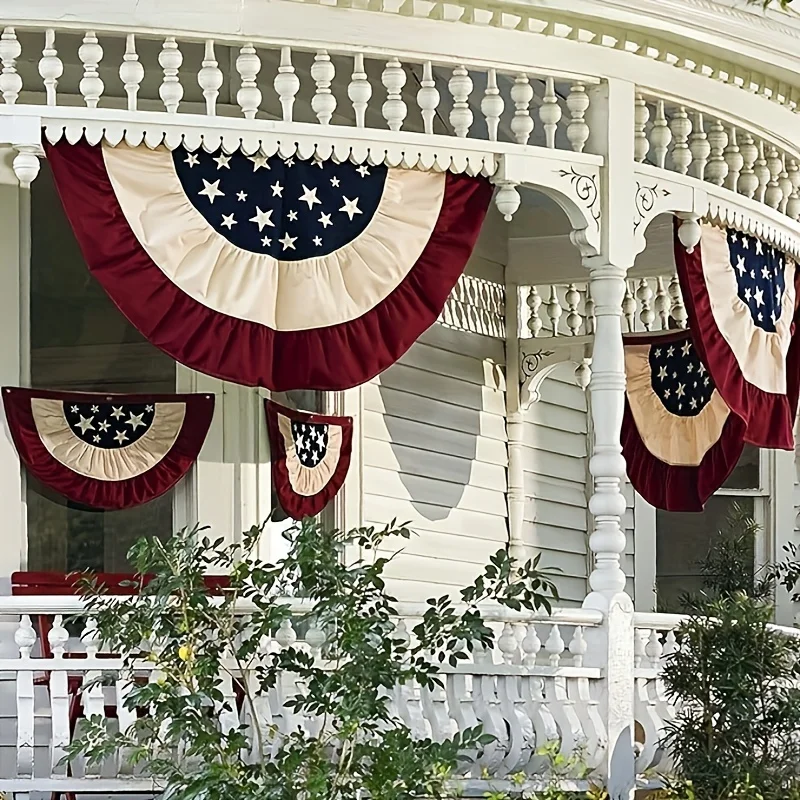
{"points": [[192, 638]]}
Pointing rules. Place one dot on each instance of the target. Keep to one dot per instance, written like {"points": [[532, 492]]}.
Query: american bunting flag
{"points": [[266, 270]]}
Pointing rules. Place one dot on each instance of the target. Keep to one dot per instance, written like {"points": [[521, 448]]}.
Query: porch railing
{"points": [[178, 74], [534, 688]]}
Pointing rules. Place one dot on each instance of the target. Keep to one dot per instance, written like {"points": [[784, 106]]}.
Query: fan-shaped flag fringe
{"points": [[741, 298], [310, 457], [107, 451], [679, 438], [287, 274]]}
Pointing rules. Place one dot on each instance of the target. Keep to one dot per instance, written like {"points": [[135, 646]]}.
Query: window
{"points": [[682, 540], [80, 341]]}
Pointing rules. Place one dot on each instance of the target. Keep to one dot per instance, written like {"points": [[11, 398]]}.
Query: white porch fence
{"points": [[544, 682]]}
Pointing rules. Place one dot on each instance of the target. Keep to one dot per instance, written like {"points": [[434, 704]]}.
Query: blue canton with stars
{"points": [[678, 377], [310, 442], [108, 425], [289, 209], [760, 278]]}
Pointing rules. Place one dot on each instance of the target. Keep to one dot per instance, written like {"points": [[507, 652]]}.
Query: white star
{"points": [[121, 437], [363, 171], [681, 390], [136, 421], [148, 409], [774, 318], [705, 381], [674, 374], [262, 219], [759, 297], [701, 370], [315, 456], [192, 160], [670, 352], [335, 181], [95, 439], [85, 424], [318, 241], [301, 443], [292, 216], [277, 189], [325, 220], [667, 393], [759, 247], [211, 190], [318, 163], [687, 346], [680, 406], [310, 196], [745, 242], [74, 409], [740, 264], [288, 241], [266, 241], [695, 384], [760, 317], [662, 373], [733, 236], [117, 412], [95, 409], [765, 272], [350, 207], [228, 221], [258, 162], [690, 368], [747, 294], [103, 426], [242, 196], [658, 352], [289, 162], [222, 161], [753, 274]]}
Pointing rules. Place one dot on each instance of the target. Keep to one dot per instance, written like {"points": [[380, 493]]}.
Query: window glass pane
{"points": [[745, 474], [682, 541], [80, 341]]}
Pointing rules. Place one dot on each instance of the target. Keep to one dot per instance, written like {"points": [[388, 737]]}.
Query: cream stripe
{"points": [[96, 462], [283, 295], [757, 351], [677, 441], [308, 481]]}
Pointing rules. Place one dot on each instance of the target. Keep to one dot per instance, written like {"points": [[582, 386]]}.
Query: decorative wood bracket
{"points": [[540, 357]]}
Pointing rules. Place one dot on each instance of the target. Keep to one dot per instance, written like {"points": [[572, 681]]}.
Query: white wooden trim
{"points": [[12, 298], [644, 554], [781, 518]]}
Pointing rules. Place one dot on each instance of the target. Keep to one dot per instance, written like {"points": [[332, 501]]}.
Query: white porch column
{"points": [[612, 126]]}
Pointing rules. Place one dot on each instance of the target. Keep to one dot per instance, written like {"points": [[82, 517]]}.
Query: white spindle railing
{"points": [[391, 92], [688, 142], [567, 309], [533, 688]]}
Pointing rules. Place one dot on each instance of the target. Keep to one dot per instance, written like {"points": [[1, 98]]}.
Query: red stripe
{"points": [[330, 358]]}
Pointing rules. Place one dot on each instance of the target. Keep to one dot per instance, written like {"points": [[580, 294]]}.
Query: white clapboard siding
{"points": [[555, 453], [435, 457]]}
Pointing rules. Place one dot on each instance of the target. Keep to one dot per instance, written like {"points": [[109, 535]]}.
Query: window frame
{"points": [[773, 509]]}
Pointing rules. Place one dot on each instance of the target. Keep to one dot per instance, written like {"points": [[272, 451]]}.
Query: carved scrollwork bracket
{"points": [[539, 358]]}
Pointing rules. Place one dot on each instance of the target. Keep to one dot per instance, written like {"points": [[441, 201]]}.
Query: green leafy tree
{"points": [[192, 637], [734, 680]]}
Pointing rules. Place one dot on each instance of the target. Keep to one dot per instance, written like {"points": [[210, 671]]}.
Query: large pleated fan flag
{"points": [[310, 456], [266, 271], [679, 438], [107, 451], [741, 300]]}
